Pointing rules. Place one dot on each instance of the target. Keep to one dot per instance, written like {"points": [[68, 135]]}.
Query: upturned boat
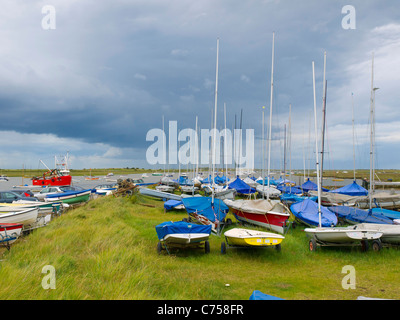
{"points": [[26, 217]]}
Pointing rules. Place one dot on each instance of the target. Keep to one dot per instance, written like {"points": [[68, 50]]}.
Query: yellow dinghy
{"points": [[247, 238]]}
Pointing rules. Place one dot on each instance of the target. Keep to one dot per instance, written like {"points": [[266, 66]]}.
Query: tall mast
{"points": [[270, 111], [215, 122], [371, 150], [263, 151], [316, 148], [225, 149], [354, 148], [290, 148], [323, 117]]}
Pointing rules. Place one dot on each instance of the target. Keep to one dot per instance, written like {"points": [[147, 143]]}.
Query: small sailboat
{"points": [[335, 236], [270, 214], [182, 234], [247, 238]]}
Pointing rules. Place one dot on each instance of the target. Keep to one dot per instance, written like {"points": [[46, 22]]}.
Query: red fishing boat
{"points": [[52, 178]]}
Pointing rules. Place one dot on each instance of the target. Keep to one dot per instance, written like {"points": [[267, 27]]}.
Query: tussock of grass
{"points": [[107, 250]]}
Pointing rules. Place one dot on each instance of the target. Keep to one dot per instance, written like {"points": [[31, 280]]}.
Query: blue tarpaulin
{"points": [[204, 207], [307, 212], [170, 227], [170, 204], [311, 186], [357, 215], [241, 187], [352, 189], [289, 189], [258, 295]]}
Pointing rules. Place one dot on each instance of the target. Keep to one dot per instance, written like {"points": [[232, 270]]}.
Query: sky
{"points": [[92, 78]]}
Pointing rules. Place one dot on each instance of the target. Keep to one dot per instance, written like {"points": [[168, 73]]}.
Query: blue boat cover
{"points": [[170, 204], [241, 187], [309, 185], [207, 180], [170, 227], [359, 215], [271, 181], [307, 211], [391, 214], [289, 189], [204, 207], [289, 197], [220, 180], [352, 189], [258, 295]]}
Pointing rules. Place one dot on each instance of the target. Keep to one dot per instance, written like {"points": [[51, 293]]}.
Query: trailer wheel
{"points": [[278, 247], [364, 245], [312, 245], [159, 247], [207, 247], [228, 222], [223, 247], [185, 220], [376, 245]]}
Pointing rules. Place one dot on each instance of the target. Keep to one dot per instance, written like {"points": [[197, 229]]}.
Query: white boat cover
{"points": [[259, 206]]}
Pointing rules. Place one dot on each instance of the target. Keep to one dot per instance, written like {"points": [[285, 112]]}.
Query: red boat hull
{"points": [[271, 221], [54, 181]]}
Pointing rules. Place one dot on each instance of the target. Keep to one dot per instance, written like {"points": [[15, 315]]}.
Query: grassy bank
{"points": [[107, 250]]}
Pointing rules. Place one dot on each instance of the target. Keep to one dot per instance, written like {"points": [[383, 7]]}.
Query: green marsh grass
{"points": [[106, 249]]}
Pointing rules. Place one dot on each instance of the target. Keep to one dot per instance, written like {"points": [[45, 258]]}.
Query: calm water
{"points": [[88, 184]]}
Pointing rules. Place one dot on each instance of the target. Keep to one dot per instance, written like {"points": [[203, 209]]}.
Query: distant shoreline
{"points": [[380, 174]]}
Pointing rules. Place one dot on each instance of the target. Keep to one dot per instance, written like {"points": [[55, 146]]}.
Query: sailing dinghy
{"points": [[182, 234], [270, 214], [247, 238]]}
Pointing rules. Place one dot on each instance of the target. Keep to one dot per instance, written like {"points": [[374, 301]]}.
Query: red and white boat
{"points": [[52, 178], [9, 233], [270, 214]]}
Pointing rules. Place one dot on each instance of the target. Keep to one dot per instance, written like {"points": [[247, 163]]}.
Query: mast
{"points": [[316, 148], [371, 150], [323, 117], [290, 148], [215, 122], [225, 149], [270, 110], [354, 148], [263, 151]]}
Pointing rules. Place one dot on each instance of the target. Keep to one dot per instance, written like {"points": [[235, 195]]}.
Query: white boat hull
{"points": [[185, 238], [343, 234], [26, 217], [391, 233]]}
